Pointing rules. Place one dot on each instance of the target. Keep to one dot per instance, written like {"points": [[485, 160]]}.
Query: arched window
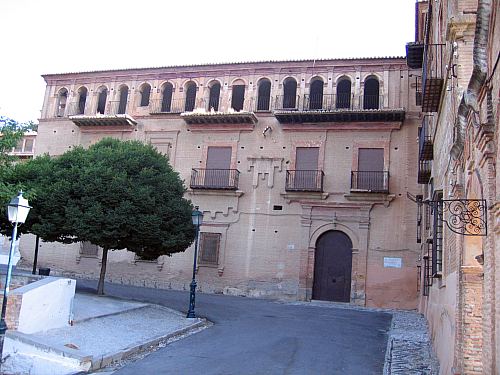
{"points": [[166, 99], [190, 97], [214, 97], [238, 95], [101, 100], [290, 93], [264, 95], [62, 98], [145, 93], [82, 100], [343, 99], [316, 94], [122, 107], [371, 95]]}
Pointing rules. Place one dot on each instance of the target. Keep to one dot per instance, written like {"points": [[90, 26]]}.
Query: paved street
{"points": [[253, 336]]}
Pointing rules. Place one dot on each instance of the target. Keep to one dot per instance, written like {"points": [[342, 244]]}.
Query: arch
{"points": [[145, 93], [353, 236], [62, 99], [263, 94], [101, 99], [333, 267], [214, 95], [123, 94], [238, 82], [190, 97], [167, 91], [371, 98], [289, 93], [343, 97], [214, 81], [316, 93], [82, 100]]}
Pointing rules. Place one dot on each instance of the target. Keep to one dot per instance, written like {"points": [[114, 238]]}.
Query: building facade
{"points": [[457, 50], [301, 169]]}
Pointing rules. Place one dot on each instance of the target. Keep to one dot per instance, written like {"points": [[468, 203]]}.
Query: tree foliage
{"points": [[115, 194]]}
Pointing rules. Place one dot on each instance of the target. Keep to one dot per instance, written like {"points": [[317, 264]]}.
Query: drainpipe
{"points": [[479, 72]]}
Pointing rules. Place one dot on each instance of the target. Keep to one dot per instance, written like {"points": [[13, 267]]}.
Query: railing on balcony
{"points": [[304, 180], [287, 102], [371, 101], [425, 147], [76, 109], [263, 104], [371, 181], [166, 106], [216, 179], [433, 71], [327, 102], [424, 171]]}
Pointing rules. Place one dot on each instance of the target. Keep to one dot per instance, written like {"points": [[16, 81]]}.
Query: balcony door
{"points": [[306, 168], [218, 167], [371, 169]]}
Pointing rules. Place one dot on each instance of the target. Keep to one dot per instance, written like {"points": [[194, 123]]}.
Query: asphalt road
{"points": [[258, 337]]}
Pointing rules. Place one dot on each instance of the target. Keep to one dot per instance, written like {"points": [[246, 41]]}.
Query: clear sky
{"points": [[57, 36]]}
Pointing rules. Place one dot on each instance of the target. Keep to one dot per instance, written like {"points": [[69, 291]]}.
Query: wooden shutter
{"points": [[306, 165], [209, 248], [218, 167]]}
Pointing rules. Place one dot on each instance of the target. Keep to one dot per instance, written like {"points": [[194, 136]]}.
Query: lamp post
{"points": [[197, 217], [17, 210]]}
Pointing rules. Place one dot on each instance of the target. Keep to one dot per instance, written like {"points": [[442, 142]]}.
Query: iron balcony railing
{"points": [[287, 102], [166, 106], [304, 180], [425, 148], [433, 74], [263, 104], [371, 102], [327, 102], [424, 171], [217, 179], [371, 181]]}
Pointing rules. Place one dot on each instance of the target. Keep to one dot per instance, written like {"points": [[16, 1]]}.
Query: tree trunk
{"points": [[100, 286]]}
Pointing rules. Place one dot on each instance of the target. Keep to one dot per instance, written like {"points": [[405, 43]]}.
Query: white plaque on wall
{"points": [[393, 262]]}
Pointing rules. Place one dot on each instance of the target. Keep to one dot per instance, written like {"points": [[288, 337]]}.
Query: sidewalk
{"points": [[104, 330]]}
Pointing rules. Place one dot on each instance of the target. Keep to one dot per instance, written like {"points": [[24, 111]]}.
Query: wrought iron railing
{"points": [[424, 171], [263, 103], [304, 180], [166, 106], [425, 148], [287, 102], [327, 102], [433, 74], [371, 181], [217, 179], [371, 101]]}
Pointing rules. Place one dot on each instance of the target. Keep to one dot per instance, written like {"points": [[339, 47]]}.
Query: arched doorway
{"points": [[333, 267]]}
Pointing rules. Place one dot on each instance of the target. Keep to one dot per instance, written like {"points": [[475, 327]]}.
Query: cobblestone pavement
{"points": [[409, 349]]}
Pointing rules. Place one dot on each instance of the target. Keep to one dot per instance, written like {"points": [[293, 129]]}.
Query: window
{"points": [[289, 93], [190, 97], [209, 248], [343, 99], [214, 97], [122, 107], [437, 238], [62, 98], [306, 176], [316, 94], [264, 95], [238, 97], [218, 166], [28, 144], [88, 249], [371, 94], [101, 101], [145, 93], [82, 99], [166, 99], [370, 174]]}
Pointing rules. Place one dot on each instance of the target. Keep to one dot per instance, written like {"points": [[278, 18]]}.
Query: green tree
{"points": [[115, 194]]}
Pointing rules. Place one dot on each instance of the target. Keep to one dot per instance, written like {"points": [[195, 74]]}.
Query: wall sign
{"points": [[393, 262]]}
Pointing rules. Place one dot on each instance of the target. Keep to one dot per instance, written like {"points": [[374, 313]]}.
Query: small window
{"points": [[28, 144], [238, 97], [101, 101], [289, 93], [89, 249], [371, 99], [166, 100], [145, 93], [62, 98], [82, 100], [190, 97], [316, 94], [122, 106], [209, 248], [264, 95], [343, 99], [214, 97]]}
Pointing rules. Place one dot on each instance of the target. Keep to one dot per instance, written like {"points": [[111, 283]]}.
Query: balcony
{"points": [[113, 118], [335, 108], [424, 171], [370, 181], [414, 55], [215, 179], [304, 180], [160, 106], [425, 146], [432, 77]]}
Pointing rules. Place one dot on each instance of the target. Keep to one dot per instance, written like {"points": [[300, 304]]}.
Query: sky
{"points": [[57, 36]]}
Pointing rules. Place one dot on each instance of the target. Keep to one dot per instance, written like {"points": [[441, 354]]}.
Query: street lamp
{"points": [[17, 210], [197, 217]]}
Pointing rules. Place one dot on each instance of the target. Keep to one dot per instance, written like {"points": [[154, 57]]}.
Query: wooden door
{"points": [[218, 167], [371, 169], [333, 267]]}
